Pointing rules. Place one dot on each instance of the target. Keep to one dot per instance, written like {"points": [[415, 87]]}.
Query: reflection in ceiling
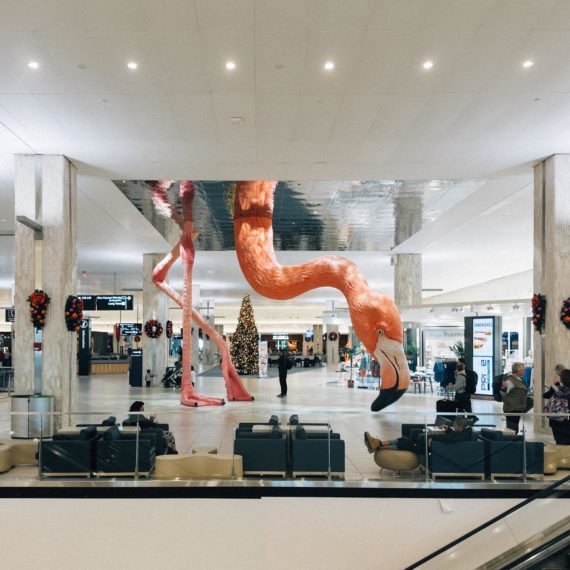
{"points": [[371, 215]]}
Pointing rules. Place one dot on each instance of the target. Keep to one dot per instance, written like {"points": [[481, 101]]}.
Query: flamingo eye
{"points": [[380, 332]]}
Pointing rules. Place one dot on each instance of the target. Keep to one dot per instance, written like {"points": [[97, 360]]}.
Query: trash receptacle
{"points": [[29, 426]]}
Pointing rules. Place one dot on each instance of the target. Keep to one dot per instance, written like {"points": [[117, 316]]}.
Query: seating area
{"points": [[293, 450], [490, 455]]}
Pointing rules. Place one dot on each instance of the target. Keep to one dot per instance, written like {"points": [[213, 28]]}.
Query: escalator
{"points": [[534, 534]]}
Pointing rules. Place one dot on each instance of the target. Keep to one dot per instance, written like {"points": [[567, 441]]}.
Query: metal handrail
{"points": [[540, 495]]}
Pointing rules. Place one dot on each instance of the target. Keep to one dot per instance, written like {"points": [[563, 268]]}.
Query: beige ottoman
{"points": [[563, 456], [16, 452], [205, 449], [198, 466], [550, 459], [396, 459]]}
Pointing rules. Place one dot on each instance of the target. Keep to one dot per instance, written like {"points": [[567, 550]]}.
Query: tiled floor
{"points": [[316, 394]]}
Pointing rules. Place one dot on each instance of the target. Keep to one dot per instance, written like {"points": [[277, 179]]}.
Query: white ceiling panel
{"points": [[275, 119], [221, 47], [436, 14], [518, 14], [340, 48], [196, 117], [316, 115], [276, 15], [238, 105], [341, 15], [219, 15], [146, 16], [280, 61]]}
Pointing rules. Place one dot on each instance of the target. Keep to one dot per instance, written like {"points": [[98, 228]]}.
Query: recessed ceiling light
{"points": [[236, 120], [132, 65], [33, 65], [2, 220], [329, 66], [427, 64], [230, 65], [528, 63]]}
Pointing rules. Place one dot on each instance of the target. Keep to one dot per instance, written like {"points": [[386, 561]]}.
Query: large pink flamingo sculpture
{"points": [[186, 251], [375, 317]]}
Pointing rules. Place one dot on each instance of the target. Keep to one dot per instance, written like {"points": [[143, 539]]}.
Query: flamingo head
{"points": [[378, 324]]}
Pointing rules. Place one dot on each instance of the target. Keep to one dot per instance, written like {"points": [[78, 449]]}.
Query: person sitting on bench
{"points": [[458, 432], [144, 422]]}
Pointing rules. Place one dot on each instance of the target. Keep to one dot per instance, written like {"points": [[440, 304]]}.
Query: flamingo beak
{"points": [[394, 372]]}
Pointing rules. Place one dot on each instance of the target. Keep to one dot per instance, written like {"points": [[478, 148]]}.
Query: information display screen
{"points": [[483, 353], [107, 302], [88, 302], [114, 302], [130, 329], [10, 315]]}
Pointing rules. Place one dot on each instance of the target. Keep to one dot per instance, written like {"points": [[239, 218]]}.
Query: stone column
{"points": [[407, 279], [24, 274], [551, 266], [332, 346], [155, 306], [59, 206], [318, 339]]}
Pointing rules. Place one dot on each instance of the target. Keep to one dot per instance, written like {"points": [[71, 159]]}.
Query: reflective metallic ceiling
{"points": [[371, 215]]}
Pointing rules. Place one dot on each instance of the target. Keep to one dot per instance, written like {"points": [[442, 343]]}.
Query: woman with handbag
{"points": [[558, 396]]}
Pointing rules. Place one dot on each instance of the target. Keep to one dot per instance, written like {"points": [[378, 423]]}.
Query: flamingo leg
{"points": [[235, 389]]}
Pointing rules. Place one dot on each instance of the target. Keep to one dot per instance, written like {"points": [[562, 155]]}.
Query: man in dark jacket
{"points": [[282, 363], [514, 395]]}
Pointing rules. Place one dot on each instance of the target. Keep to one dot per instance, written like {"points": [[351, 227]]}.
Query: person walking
{"points": [[282, 365], [514, 395]]}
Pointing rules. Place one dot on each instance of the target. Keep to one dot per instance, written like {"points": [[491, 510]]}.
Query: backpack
{"points": [[289, 364], [497, 387], [471, 379]]}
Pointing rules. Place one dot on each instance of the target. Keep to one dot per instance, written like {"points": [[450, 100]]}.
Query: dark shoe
{"points": [[372, 444], [280, 395]]}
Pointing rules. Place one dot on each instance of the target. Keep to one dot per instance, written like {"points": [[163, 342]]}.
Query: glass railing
{"points": [[522, 531], [241, 443]]}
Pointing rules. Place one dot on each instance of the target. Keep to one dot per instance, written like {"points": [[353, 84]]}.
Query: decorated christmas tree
{"points": [[245, 349]]}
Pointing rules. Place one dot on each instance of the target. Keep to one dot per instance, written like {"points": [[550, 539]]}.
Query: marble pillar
{"points": [[24, 274], [155, 306], [407, 279], [551, 267], [318, 339], [332, 346], [59, 207]]}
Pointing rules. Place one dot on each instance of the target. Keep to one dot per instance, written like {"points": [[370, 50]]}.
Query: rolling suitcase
{"points": [[445, 406]]}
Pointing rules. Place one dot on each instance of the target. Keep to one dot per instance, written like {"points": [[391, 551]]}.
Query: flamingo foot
{"points": [[193, 399]]}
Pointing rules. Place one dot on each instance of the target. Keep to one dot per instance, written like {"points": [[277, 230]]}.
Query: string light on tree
{"points": [[245, 348]]}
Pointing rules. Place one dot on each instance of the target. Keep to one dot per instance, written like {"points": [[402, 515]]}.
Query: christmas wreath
{"points": [[539, 311], [39, 302], [565, 313], [73, 313], [332, 336], [153, 329], [137, 338], [168, 329]]}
